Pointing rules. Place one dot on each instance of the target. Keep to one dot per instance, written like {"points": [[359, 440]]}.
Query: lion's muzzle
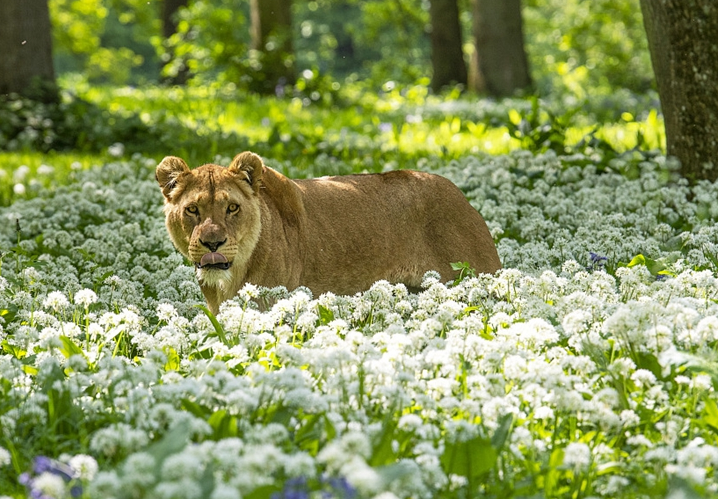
{"points": [[213, 260]]}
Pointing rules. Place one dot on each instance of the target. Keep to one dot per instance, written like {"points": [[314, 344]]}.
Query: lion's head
{"points": [[212, 214]]}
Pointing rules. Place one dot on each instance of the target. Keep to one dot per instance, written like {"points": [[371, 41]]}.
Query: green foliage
{"points": [[576, 49], [212, 43], [586, 49], [75, 123], [78, 26], [398, 32], [107, 40], [326, 128], [464, 269]]}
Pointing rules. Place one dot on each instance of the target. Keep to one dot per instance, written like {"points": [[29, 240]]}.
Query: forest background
{"points": [[585, 368], [587, 71]]}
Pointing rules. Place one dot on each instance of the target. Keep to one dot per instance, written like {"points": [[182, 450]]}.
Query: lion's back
{"points": [[394, 226]]}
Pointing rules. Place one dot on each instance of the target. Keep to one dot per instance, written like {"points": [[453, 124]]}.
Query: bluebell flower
{"points": [[598, 259], [340, 488], [44, 464], [294, 488]]}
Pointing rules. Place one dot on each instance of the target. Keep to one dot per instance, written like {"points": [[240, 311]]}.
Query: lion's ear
{"points": [[249, 167], [168, 172]]}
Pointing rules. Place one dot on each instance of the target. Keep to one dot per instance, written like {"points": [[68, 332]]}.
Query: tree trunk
{"points": [[169, 28], [683, 41], [169, 19], [447, 56], [344, 51], [26, 50], [499, 66], [272, 39]]}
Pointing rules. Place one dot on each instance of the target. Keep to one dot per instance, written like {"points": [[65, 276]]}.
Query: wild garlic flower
{"points": [[85, 297]]}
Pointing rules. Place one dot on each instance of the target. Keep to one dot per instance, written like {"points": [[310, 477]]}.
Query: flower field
{"points": [[586, 368]]}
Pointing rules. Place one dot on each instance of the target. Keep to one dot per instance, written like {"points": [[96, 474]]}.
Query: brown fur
{"points": [[338, 234]]}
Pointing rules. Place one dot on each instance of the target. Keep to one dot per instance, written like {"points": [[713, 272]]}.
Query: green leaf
{"points": [[216, 418], [173, 359], [69, 348], [502, 432], [554, 473], [329, 429], [281, 415], [223, 424], [308, 435], [649, 362], [382, 452], [219, 330], [263, 492], [29, 370], [194, 408], [13, 350], [9, 313], [471, 458], [655, 267], [464, 269], [637, 260], [325, 315], [710, 414]]}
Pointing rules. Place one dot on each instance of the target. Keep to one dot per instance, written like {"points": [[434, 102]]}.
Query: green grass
{"points": [[25, 168], [411, 123]]}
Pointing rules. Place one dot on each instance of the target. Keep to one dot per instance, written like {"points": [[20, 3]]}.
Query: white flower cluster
{"points": [[548, 209], [562, 373]]}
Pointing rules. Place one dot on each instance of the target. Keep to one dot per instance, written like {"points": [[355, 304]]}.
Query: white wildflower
{"points": [[643, 378], [50, 485], [224, 491], [85, 466], [5, 457], [56, 300], [577, 455], [116, 150], [702, 382], [639, 441], [85, 297]]}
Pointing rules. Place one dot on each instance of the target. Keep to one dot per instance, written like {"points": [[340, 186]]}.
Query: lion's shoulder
{"points": [[282, 193]]}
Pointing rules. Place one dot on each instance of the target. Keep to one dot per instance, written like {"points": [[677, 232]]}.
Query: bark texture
{"points": [[683, 40], [499, 65], [447, 56], [272, 39], [169, 28], [169, 19], [26, 49]]}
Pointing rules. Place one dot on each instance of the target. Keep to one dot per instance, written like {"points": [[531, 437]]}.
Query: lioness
{"points": [[249, 223]]}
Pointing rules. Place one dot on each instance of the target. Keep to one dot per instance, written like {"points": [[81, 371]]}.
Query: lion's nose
{"points": [[213, 246]]}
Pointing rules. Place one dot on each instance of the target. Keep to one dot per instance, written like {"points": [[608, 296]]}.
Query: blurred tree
{"points": [[170, 20], [447, 56], [683, 41], [393, 39], [272, 44], [26, 57], [106, 40], [169, 16], [499, 65], [587, 50]]}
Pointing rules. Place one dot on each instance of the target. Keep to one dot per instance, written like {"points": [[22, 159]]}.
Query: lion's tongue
{"points": [[213, 259]]}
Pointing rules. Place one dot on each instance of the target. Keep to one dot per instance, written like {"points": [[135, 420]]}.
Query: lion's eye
{"points": [[192, 210], [233, 208]]}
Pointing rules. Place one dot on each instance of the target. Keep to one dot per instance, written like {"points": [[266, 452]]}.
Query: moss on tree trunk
{"points": [[683, 40]]}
